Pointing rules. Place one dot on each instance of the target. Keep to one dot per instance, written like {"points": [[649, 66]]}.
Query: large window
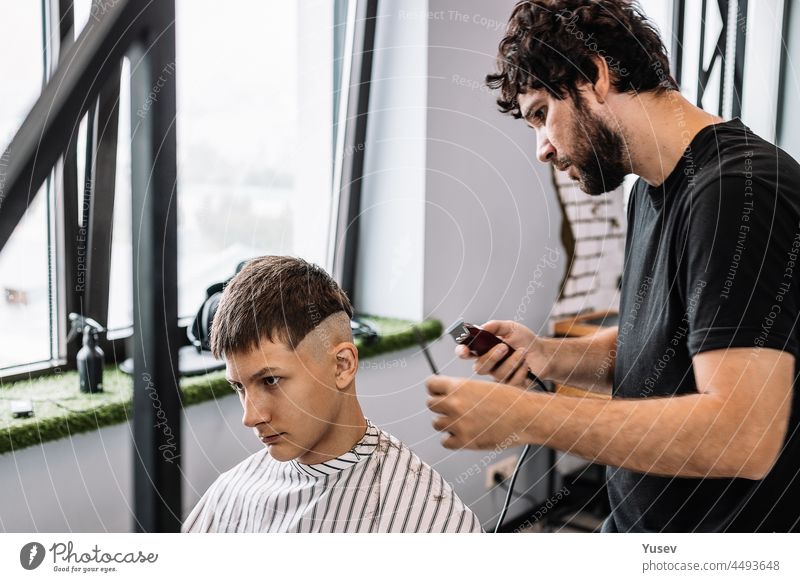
{"points": [[255, 110], [25, 281], [254, 134], [25, 306]]}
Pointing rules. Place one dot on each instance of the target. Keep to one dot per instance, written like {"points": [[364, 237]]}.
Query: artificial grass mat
{"points": [[61, 410]]}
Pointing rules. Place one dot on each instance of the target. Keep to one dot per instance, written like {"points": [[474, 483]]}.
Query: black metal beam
{"points": [[355, 136], [678, 17], [86, 188], [84, 70], [782, 81], [721, 53], [81, 73], [102, 183], [66, 202], [339, 37], [739, 59], [156, 395], [719, 56], [701, 75]]}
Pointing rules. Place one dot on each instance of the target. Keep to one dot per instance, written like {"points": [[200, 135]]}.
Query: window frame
{"points": [[70, 291], [351, 134], [786, 45]]}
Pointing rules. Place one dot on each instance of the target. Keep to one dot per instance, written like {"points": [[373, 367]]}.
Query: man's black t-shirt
{"points": [[712, 261]]}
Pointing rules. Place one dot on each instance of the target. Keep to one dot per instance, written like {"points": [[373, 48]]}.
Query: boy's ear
{"points": [[346, 355]]}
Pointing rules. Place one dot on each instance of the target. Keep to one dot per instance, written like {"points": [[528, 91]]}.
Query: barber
{"points": [[701, 432]]}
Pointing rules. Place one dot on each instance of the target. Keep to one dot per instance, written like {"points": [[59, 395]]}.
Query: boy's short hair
{"points": [[277, 298], [553, 45]]}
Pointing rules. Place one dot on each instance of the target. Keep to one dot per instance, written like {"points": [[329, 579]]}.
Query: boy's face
{"points": [[290, 397]]}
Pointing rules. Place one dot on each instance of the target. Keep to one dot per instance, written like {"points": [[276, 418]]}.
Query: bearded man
{"points": [[701, 430]]}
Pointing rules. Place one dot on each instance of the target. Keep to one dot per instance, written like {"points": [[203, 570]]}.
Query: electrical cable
{"points": [[504, 485], [537, 383], [507, 502]]}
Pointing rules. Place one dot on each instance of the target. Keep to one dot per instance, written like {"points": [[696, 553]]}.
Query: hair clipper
{"points": [[479, 341]]}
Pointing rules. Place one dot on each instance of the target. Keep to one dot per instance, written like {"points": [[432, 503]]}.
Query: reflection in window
{"points": [[254, 134], [20, 36], [120, 302], [255, 101], [25, 288], [24, 268]]}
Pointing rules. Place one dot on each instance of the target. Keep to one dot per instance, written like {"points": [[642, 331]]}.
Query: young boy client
{"points": [[283, 329]]}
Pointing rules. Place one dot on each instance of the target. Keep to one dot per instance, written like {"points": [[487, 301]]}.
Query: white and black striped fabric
{"points": [[380, 485]]}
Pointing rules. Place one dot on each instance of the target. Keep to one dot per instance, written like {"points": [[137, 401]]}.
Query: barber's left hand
{"points": [[476, 414]]}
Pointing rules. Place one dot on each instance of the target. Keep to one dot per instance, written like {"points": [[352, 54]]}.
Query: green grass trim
{"points": [[61, 410], [398, 335]]}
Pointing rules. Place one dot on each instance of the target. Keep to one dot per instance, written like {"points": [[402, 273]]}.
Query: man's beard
{"points": [[600, 154]]}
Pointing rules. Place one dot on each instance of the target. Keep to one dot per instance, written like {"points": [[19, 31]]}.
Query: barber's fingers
{"points": [[439, 385], [508, 371], [462, 352], [488, 361], [442, 423], [520, 377], [512, 332], [499, 328], [438, 404], [451, 441], [446, 425]]}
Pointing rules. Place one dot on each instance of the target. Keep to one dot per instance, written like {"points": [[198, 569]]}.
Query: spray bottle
{"points": [[90, 357]]}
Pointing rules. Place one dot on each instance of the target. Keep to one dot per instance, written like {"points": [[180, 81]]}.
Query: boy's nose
{"points": [[255, 413]]}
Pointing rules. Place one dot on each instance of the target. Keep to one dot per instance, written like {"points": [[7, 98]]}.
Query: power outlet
{"points": [[503, 468]]}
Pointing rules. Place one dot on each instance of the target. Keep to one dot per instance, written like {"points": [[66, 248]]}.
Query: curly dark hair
{"points": [[553, 44]]}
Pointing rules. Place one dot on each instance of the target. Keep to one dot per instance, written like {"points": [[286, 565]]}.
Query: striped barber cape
{"points": [[379, 485]]}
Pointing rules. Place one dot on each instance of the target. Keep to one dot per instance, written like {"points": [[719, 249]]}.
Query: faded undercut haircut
{"points": [[281, 299], [554, 45]]}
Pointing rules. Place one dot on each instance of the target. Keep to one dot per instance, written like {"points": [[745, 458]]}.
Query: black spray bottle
{"points": [[90, 356]]}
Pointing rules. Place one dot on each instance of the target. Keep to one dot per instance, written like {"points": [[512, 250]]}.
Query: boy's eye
{"points": [[271, 380], [236, 387], [539, 115]]}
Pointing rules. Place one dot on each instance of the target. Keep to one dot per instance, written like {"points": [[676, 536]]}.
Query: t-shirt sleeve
{"points": [[737, 266]]}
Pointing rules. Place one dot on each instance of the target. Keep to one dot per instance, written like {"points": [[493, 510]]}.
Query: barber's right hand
{"points": [[513, 370]]}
